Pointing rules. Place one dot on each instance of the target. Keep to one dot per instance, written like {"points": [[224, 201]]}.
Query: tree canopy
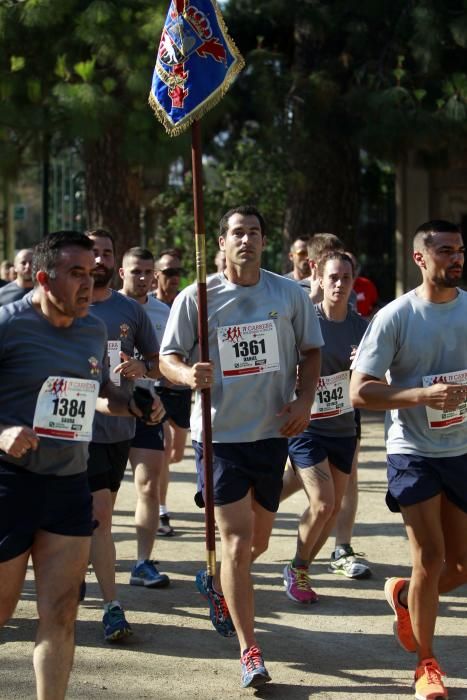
{"points": [[325, 84]]}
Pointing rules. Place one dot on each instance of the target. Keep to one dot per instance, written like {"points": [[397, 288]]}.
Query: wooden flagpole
{"points": [[200, 243]]}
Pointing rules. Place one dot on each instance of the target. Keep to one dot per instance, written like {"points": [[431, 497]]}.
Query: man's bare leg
{"points": [[290, 484], [426, 540], [103, 555], [147, 466], [244, 528], [59, 565], [453, 523], [346, 517], [178, 442], [12, 574]]}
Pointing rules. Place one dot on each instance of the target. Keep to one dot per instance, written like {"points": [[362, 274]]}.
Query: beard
{"points": [[448, 282], [105, 275]]}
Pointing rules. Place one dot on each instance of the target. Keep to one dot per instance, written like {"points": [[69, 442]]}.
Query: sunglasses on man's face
{"points": [[173, 272]]}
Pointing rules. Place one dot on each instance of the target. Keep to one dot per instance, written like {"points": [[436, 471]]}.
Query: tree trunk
{"points": [[323, 179], [113, 191]]}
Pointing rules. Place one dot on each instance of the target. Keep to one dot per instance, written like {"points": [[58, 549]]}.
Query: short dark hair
{"points": [[244, 210], [137, 252], [303, 239], [173, 252], [46, 253], [321, 243], [102, 233], [424, 233], [334, 255]]}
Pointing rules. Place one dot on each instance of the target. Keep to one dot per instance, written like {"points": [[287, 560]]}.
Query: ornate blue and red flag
{"points": [[196, 63]]}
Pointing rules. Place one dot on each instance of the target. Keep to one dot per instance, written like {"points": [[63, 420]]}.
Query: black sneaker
{"points": [[165, 529]]}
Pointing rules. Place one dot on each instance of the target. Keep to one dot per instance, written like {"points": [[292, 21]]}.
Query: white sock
{"points": [[112, 604], [163, 510]]}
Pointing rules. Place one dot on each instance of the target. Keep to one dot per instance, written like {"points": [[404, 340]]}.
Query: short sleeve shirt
{"points": [[129, 325], [31, 350], [407, 340], [244, 409]]}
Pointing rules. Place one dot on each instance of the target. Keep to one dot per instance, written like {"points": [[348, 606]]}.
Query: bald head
{"points": [[299, 257], [23, 268]]}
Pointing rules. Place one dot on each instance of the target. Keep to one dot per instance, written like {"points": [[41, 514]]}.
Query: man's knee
{"points": [[237, 548], [61, 609], [322, 510], [259, 547], [430, 562], [457, 568], [148, 488]]}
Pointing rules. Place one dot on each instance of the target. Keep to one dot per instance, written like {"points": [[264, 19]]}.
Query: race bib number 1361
{"points": [[249, 348]]}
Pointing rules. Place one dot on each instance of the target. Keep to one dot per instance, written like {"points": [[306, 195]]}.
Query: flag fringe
{"points": [[210, 102]]}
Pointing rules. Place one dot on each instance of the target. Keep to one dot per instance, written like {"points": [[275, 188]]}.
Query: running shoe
{"points": [[218, 610], [402, 625], [344, 561], [116, 627], [165, 529], [254, 671], [297, 584], [146, 574], [428, 681]]}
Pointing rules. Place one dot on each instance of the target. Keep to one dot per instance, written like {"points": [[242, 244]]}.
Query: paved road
{"points": [[342, 647]]}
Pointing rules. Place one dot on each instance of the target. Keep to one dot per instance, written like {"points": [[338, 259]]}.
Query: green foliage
{"points": [[321, 77]]}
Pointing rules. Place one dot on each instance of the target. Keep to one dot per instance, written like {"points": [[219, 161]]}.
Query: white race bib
{"points": [[249, 348], [113, 350], [332, 396], [437, 420], [65, 408]]}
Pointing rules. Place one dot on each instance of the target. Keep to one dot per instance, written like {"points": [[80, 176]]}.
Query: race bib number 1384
{"points": [[65, 408]]}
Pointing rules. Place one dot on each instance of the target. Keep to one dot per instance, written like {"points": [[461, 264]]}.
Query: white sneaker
{"points": [[345, 561]]}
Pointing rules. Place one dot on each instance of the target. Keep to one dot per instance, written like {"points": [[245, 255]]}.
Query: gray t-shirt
{"points": [[158, 313], [244, 407], [304, 283], [31, 350], [409, 339], [127, 322], [12, 292], [339, 336]]}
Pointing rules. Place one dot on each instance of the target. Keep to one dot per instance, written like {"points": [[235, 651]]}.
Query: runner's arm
{"points": [[16, 440], [112, 401], [376, 395], [133, 368], [197, 376], [298, 411]]}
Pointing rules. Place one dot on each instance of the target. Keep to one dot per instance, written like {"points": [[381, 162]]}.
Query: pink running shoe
{"points": [[297, 584]]}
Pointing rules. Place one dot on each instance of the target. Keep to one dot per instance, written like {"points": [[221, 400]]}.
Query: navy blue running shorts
{"points": [[107, 464], [308, 449], [239, 467], [177, 404], [413, 479], [30, 502], [148, 437]]}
